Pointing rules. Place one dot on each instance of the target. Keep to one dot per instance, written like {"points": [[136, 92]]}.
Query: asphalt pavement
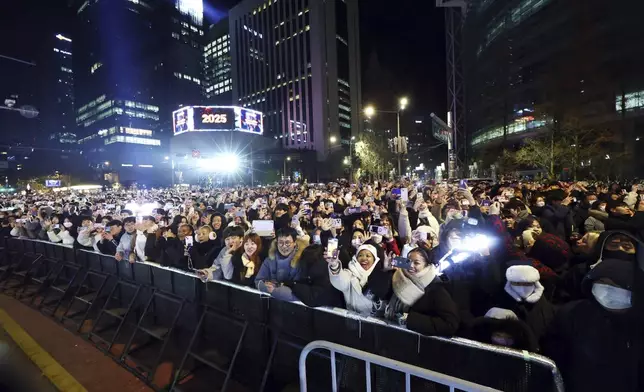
{"points": [[17, 371]]}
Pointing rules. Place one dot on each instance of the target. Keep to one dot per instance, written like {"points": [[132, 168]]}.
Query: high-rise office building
{"points": [[59, 107], [298, 62], [135, 62], [218, 83], [530, 64]]}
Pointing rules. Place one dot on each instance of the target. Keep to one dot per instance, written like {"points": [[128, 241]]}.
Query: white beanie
{"points": [[522, 274], [371, 249]]}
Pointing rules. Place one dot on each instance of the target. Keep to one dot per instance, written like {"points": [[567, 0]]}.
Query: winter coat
{"points": [[435, 313], [174, 253], [240, 271], [314, 287], [537, 316], [561, 220], [279, 269], [222, 267], [369, 299], [109, 247], [593, 224], [203, 254], [594, 349]]}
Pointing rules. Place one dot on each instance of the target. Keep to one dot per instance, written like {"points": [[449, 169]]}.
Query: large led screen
{"points": [[217, 118]]}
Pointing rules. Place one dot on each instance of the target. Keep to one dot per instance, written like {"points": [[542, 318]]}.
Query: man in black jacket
{"points": [[110, 238]]}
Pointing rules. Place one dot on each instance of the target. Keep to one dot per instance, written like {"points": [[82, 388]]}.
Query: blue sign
{"points": [[52, 183]]}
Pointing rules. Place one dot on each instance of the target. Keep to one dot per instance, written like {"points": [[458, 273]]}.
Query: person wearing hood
{"points": [[523, 299], [282, 266], [364, 284], [551, 255], [596, 342], [507, 332], [419, 300], [313, 287], [218, 223], [358, 237], [281, 217], [622, 217]]}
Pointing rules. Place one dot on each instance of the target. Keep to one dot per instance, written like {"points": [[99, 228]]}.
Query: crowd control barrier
{"points": [[177, 333]]}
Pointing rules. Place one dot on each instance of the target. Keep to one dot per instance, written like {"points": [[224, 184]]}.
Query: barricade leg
{"points": [[87, 297], [63, 290], [200, 358]]}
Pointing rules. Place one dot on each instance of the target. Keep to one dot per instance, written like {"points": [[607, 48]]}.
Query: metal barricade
{"points": [[369, 359]]}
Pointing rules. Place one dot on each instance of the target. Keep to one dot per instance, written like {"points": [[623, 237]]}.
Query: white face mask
{"points": [[377, 238], [591, 202], [602, 208], [356, 242], [523, 291], [67, 224], [611, 297], [540, 203]]}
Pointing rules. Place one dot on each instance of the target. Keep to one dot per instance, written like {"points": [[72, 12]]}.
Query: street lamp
{"points": [[287, 159], [369, 111], [403, 103], [333, 139], [107, 163]]}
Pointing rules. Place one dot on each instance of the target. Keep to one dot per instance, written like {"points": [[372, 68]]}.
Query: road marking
{"points": [[47, 364]]}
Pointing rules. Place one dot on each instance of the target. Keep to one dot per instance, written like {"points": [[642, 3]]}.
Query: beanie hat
{"points": [[620, 272], [556, 195], [522, 274], [551, 250], [371, 249]]}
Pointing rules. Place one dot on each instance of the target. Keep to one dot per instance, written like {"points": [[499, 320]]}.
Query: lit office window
{"points": [[95, 66]]}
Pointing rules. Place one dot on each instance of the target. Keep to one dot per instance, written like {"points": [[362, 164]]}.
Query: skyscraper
{"points": [[59, 107], [298, 62], [136, 61], [218, 83]]}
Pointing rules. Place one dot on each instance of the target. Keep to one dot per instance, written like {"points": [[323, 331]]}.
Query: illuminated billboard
{"points": [[217, 118]]}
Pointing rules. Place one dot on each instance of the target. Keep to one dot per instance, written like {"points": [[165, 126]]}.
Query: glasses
{"points": [[285, 243]]}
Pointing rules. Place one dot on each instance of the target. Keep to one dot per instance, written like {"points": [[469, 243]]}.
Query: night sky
{"points": [[403, 45]]}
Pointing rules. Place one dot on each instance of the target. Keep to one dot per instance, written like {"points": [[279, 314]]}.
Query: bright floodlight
{"points": [[403, 102], [333, 139], [223, 163], [369, 111]]}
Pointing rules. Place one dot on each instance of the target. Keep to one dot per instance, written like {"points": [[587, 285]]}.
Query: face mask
{"points": [[67, 224], [602, 208], [317, 240], [377, 238], [541, 203], [591, 202], [523, 291], [611, 297], [356, 242]]}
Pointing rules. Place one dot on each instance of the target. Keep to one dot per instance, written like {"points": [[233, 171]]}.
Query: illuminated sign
{"points": [[52, 183], [217, 118]]}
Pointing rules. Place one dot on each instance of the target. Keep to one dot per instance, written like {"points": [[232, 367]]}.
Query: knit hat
{"points": [[556, 195], [371, 249], [551, 251], [522, 274]]}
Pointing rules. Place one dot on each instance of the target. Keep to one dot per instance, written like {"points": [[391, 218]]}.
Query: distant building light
{"points": [[419, 121], [63, 38], [127, 164], [146, 166]]}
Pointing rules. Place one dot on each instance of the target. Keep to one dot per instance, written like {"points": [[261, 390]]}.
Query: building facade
{"points": [[59, 110], [530, 64], [136, 62], [298, 62], [218, 82]]}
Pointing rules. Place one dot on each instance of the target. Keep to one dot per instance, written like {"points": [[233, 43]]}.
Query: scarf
{"points": [[407, 290], [250, 266], [360, 275], [532, 298]]}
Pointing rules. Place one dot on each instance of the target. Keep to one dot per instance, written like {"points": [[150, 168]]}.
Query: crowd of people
{"points": [[549, 267]]}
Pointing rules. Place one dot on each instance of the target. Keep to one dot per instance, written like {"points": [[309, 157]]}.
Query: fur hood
{"points": [[300, 243]]}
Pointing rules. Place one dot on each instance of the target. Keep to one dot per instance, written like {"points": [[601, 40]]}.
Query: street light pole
{"points": [[398, 140]]}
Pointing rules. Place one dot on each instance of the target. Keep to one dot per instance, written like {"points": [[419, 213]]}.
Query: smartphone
{"points": [[56, 226], [376, 216], [404, 194], [332, 246], [108, 229], [295, 221], [239, 213], [486, 203], [355, 210], [378, 229], [228, 207], [462, 184], [337, 223], [396, 191], [401, 262], [189, 241]]}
